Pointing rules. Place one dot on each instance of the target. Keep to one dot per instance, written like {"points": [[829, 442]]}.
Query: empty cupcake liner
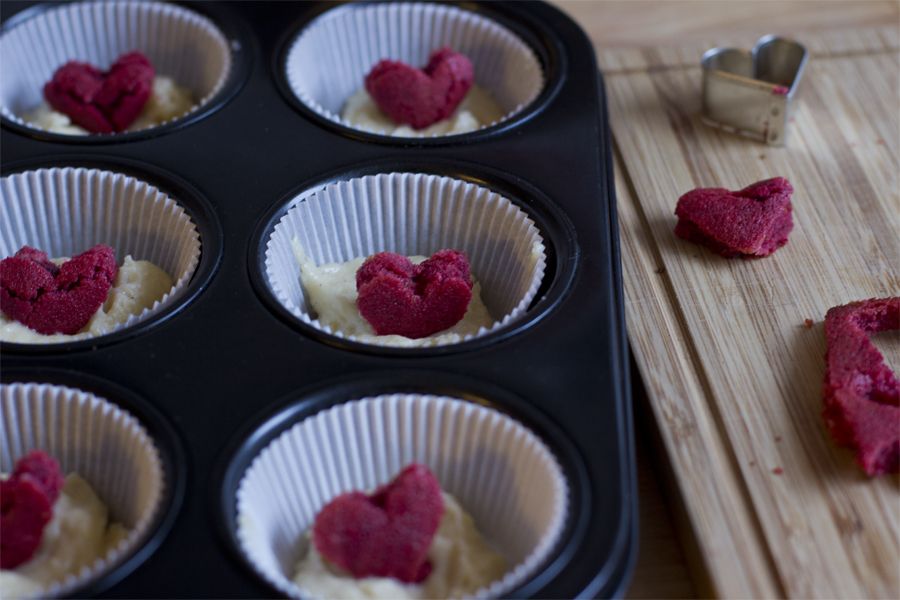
{"points": [[65, 211], [329, 59], [410, 214], [500, 472], [180, 43], [105, 445]]}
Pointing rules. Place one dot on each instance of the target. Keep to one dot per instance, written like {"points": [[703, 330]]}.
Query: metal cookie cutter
{"points": [[750, 93]]}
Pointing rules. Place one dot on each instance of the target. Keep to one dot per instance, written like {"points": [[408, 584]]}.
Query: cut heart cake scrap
{"points": [[440, 98], [83, 99], [51, 526], [752, 222], [861, 393], [406, 539], [413, 301], [27, 497], [49, 300]]}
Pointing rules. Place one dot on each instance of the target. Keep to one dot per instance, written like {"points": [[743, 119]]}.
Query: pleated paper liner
{"points": [[410, 214], [180, 43], [104, 444], [66, 211], [329, 59], [500, 472]]}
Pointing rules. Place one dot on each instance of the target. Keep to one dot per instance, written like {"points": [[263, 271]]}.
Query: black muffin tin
{"points": [[218, 376]]}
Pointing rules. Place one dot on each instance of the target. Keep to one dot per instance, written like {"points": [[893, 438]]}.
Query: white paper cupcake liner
{"points": [[180, 43], [410, 214], [105, 445], [328, 61], [66, 211], [500, 472]]}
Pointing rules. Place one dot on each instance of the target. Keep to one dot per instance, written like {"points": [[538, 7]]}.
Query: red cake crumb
{"points": [[754, 221], [421, 97], [102, 102], [386, 534], [399, 298], [778, 471], [26, 506], [808, 323], [50, 300], [861, 393]]}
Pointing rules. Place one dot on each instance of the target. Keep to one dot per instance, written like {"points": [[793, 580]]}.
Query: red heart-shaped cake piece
{"points": [[386, 534], [24, 513], [26, 506], [754, 221], [44, 470], [51, 299], [397, 297], [861, 393], [420, 97], [102, 102]]}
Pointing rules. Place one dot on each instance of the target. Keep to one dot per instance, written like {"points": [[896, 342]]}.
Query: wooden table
{"points": [[685, 565]]}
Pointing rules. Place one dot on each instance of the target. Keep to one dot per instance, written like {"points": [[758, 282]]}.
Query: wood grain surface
{"points": [[667, 23], [683, 29], [734, 378]]}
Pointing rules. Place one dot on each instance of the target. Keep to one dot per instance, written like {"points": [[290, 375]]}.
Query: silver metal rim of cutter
{"points": [[751, 93]]}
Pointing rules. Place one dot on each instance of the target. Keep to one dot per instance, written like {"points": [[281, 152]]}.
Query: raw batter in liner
{"points": [[78, 534], [139, 284], [167, 101], [331, 291], [462, 563], [477, 110]]}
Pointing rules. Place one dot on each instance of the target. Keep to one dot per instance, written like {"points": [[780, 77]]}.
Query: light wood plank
{"points": [[661, 571], [638, 23], [736, 326], [832, 44], [733, 557]]}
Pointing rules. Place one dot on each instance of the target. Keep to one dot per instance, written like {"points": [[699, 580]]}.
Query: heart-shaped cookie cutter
{"points": [[750, 93]]}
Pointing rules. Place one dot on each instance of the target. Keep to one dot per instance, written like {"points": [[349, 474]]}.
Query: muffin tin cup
{"points": [[410, 214], [66, 211], [228, 350], [104, 444], [500, 472], [326, 63], [181, 44]]}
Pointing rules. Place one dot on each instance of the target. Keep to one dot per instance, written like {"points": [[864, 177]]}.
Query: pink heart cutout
{"points": [[385, 534], [421, 97], [51, 299], [397, 297], [102, 102], [754, 221]]}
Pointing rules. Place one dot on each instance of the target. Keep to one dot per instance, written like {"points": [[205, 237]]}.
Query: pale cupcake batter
{"points": [[78, 534], [462, 563], [167, 101], [139, 284], [477, 110], [331, 292]]}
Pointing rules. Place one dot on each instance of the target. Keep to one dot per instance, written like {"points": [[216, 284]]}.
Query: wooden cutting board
{"points": [[771, 505]]}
